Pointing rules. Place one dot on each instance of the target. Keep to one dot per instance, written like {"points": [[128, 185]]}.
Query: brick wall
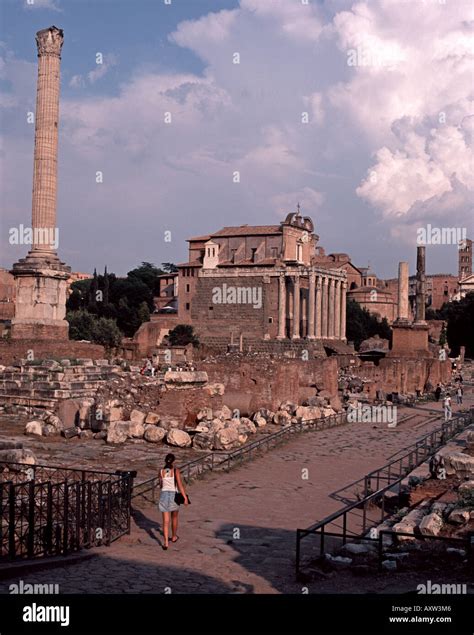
{"points": [[14, 350]]}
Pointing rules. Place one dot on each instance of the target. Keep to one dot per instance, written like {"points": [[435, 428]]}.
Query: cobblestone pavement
{"points": [[238, 535]]}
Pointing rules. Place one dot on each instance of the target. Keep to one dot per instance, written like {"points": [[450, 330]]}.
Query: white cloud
{"points": [[405, 120], [42, 4], [100, 70]]}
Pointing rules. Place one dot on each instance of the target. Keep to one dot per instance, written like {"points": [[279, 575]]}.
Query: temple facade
{"points": [[261, 282]]}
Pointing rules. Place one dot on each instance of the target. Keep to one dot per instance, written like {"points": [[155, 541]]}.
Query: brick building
{"points": [[264, 283]]}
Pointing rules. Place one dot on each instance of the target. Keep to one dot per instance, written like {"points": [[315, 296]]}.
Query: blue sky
{"points": [[386, 147]]}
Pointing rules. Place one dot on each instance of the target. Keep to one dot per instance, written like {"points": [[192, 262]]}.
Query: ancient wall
{"points": [[263, 382], [404, 375], [213, 318], [14, 350]]}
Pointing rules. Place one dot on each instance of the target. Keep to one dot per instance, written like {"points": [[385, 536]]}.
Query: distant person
{"points": [[448, 413], [459, 393], [171, 484], [438, 392]]}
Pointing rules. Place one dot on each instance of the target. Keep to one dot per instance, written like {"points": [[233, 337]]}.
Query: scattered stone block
{"points": [[459, 516], [203, 441], [22, 456], [227, 439], [154, 434], [118, 432], [71, 432], [137, 417], [152, 418], [431, 525], [178, 438], [34, 427]]}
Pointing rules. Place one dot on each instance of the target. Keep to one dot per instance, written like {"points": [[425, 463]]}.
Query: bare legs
{"points": [[166, 527], [174, 526], [167, 517]]}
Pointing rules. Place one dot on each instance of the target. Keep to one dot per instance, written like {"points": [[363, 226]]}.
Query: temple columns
{"points": [[296, 307], [312, 305], [282, 308]]}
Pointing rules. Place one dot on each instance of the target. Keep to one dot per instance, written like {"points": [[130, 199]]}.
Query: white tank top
{"points": [[168, 481]]}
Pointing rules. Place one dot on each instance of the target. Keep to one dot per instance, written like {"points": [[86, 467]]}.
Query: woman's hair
{"points": [[169, 460]]}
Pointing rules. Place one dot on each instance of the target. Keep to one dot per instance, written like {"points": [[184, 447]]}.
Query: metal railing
{"points": [[214, 461], [44, 514], [355, 519]]}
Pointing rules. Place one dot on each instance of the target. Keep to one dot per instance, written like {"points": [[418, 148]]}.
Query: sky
{"points": [[208, 113]]}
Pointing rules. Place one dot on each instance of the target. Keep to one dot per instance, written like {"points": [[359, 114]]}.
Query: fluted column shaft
{"points": [[337, 309], [49, 42], [318, 306], [282, 308], [343, 309], [324, 307], [331, 308], [311, 305], [296, 307]]}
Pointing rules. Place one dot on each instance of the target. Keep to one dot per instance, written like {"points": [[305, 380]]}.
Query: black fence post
{"points": [[66, 519], [31, 519], [49, 517], [11, 521]]}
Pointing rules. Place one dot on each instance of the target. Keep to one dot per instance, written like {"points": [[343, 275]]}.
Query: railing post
{"points": [[66, 518], [49, 517], [109, 513], [321, 542], [11, 521], [78, 515], [31, 519]]}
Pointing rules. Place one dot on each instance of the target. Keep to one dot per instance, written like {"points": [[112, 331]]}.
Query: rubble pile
{"points": [[117, 414]]}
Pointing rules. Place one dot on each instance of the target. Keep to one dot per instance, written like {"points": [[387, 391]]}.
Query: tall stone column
{"points": [[402, 292], [45, 167], [318, 306], [324, 307], [311, 305], [420, 284], [41, 278], [282, 308], [337, 309], [343, 309], [331, 308], [296, 307]]}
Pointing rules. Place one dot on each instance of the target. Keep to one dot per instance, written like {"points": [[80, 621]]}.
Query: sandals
{"points": [[177, 538], [164, 547]]}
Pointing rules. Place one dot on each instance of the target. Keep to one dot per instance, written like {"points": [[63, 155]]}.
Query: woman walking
{"points": [[171, 484]]}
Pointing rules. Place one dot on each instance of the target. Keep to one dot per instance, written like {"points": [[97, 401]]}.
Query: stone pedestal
{"points": [[409, 340], [41, 294]]}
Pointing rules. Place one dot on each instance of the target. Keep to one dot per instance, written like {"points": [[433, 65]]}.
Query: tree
{"points": [[169, 267], [81, 325], [360, 324], [459, 316], [87, 326], [148, 274], [143, 313], [182, 335], [107, 333]]}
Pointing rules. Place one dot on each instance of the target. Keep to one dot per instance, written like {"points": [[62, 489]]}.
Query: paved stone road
{"points": [[238, 535]]}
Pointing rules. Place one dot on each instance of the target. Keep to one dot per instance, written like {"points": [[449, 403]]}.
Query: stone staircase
{"points": [[34, 385]]}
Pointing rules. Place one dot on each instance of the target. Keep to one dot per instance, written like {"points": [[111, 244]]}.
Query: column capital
{"points": [[50, 41]]}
